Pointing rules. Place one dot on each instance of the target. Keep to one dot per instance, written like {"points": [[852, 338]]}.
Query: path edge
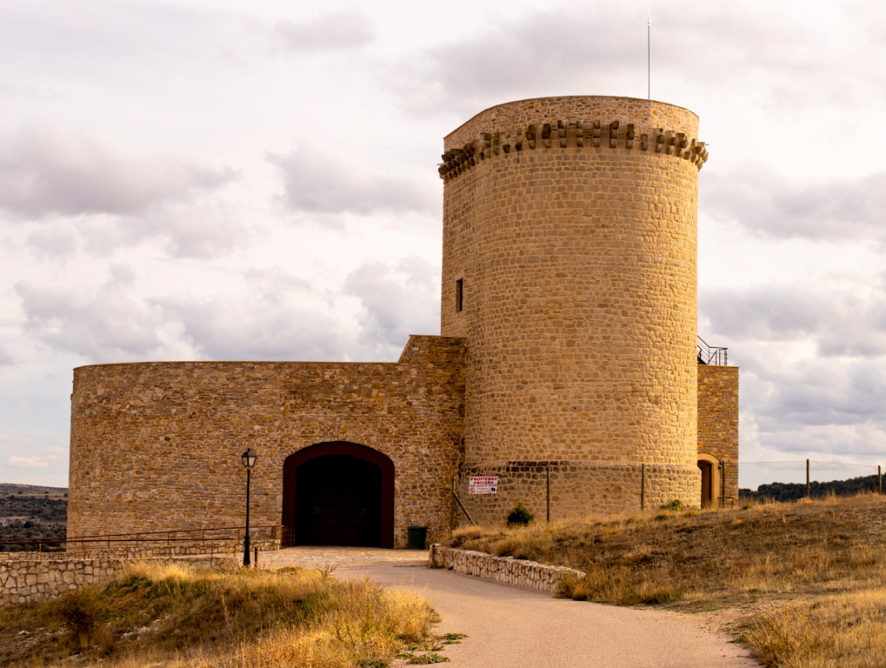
{"points": [[507, 570]]}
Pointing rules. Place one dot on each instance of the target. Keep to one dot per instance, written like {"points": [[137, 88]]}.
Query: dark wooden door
{"points": [[707, 483], [338, 502]]}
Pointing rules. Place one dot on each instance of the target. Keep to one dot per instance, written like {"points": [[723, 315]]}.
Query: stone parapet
{"points": [[518, 572], [571, 134]]}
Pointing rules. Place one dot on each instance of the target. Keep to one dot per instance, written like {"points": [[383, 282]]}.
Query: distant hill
{"points": [[791, 491], [7, 488], [29, 512]]}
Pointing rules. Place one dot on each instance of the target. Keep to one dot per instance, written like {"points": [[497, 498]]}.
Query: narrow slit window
{"points": [[459, 294]]}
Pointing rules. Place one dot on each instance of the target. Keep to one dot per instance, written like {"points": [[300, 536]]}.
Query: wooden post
{"points": [[548, 491], [458, 500], [643, 486], [807, 478]]}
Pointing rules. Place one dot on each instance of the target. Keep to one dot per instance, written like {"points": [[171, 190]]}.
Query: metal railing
{"points": [[708, 354], [209, 540]]}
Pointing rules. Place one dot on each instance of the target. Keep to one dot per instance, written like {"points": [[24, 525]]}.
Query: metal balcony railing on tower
{"points": [[708, 354]]}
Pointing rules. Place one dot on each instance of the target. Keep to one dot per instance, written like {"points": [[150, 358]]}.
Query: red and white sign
{"points": [[482, 484]]}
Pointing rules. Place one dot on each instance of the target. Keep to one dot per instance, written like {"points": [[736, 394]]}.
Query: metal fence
{"points": [[209, 540]]}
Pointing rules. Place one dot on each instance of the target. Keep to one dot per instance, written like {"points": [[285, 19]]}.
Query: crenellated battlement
{"points": [[566, 134]]}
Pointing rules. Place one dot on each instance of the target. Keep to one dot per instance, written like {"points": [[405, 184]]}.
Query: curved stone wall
{"points": [[571, 225], [157, 446]]}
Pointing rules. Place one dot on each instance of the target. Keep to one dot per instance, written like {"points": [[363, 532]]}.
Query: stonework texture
{"points": [[157, 446], [573, 231], [718, 421], [518, 572], [566, 363], [25, 578]]}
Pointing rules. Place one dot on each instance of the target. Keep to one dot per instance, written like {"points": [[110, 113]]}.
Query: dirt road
{"points": [[509, 627]]}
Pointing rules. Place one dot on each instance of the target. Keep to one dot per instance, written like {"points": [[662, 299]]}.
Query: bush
{"points": [[175, 616], [520, 516], [81, 611], [676, 504]]}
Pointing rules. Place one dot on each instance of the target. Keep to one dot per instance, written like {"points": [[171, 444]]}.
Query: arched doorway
{"points": [[710, 482], [338, 493]]}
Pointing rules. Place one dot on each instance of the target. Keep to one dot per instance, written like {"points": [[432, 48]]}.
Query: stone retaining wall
{"points": [[519, 572], [23, 579]]}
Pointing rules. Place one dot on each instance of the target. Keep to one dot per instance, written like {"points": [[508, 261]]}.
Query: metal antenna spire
{"points": [[649, 55]]}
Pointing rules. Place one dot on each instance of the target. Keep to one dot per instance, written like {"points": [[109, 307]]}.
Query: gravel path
{"points": [[509, 627]]}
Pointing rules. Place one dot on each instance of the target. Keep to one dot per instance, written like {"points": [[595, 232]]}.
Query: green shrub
{"points": [[676, 504], [520, 516]]}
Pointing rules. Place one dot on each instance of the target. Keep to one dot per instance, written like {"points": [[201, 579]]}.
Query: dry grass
{"points": [[173, 616], [807, 564], [838, 631]]}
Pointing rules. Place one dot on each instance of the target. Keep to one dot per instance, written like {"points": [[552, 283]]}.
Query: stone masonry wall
{"points": [[157, 446], [25, 578], [521, 573], [577, 489], [571, 224], [718, 420]]}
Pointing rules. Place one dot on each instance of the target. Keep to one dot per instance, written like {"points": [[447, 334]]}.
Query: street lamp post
{"points": [[248, 458]]}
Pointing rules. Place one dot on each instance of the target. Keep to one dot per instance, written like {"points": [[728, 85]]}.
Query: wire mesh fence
{"points": [[789, 479]]}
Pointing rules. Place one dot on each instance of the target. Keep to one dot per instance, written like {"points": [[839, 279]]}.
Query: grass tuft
{"points": [[176, 616], [806, 559], [846, 630]]}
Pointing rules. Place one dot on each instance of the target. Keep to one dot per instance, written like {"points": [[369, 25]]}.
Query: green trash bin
{"points": [[417, 538]]}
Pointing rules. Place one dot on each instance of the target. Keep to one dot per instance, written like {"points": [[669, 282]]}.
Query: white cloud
{"points": [[46, 170], [107, 323], [317, 183], [26, 462], [769, 205], [270, 314], [54, 454], [838, 322], [118, 131], [53, 242], [397, 301], [330, 32], [194, 229]]}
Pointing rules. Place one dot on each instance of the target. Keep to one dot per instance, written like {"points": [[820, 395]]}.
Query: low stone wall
{"points": [[24, 579], [160, 549], [519, 572]]}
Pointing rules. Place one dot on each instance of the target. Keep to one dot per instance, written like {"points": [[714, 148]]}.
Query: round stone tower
{"points": [[569, 267]]}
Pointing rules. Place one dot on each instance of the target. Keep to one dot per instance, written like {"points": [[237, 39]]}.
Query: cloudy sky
{"points": [[228, 180]]}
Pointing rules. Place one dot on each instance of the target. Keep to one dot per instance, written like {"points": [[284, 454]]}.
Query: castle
{"points": [[567, 375]]}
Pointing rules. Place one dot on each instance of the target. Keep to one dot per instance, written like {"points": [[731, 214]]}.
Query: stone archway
{"points": [[338, 493], [710, 480]]}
